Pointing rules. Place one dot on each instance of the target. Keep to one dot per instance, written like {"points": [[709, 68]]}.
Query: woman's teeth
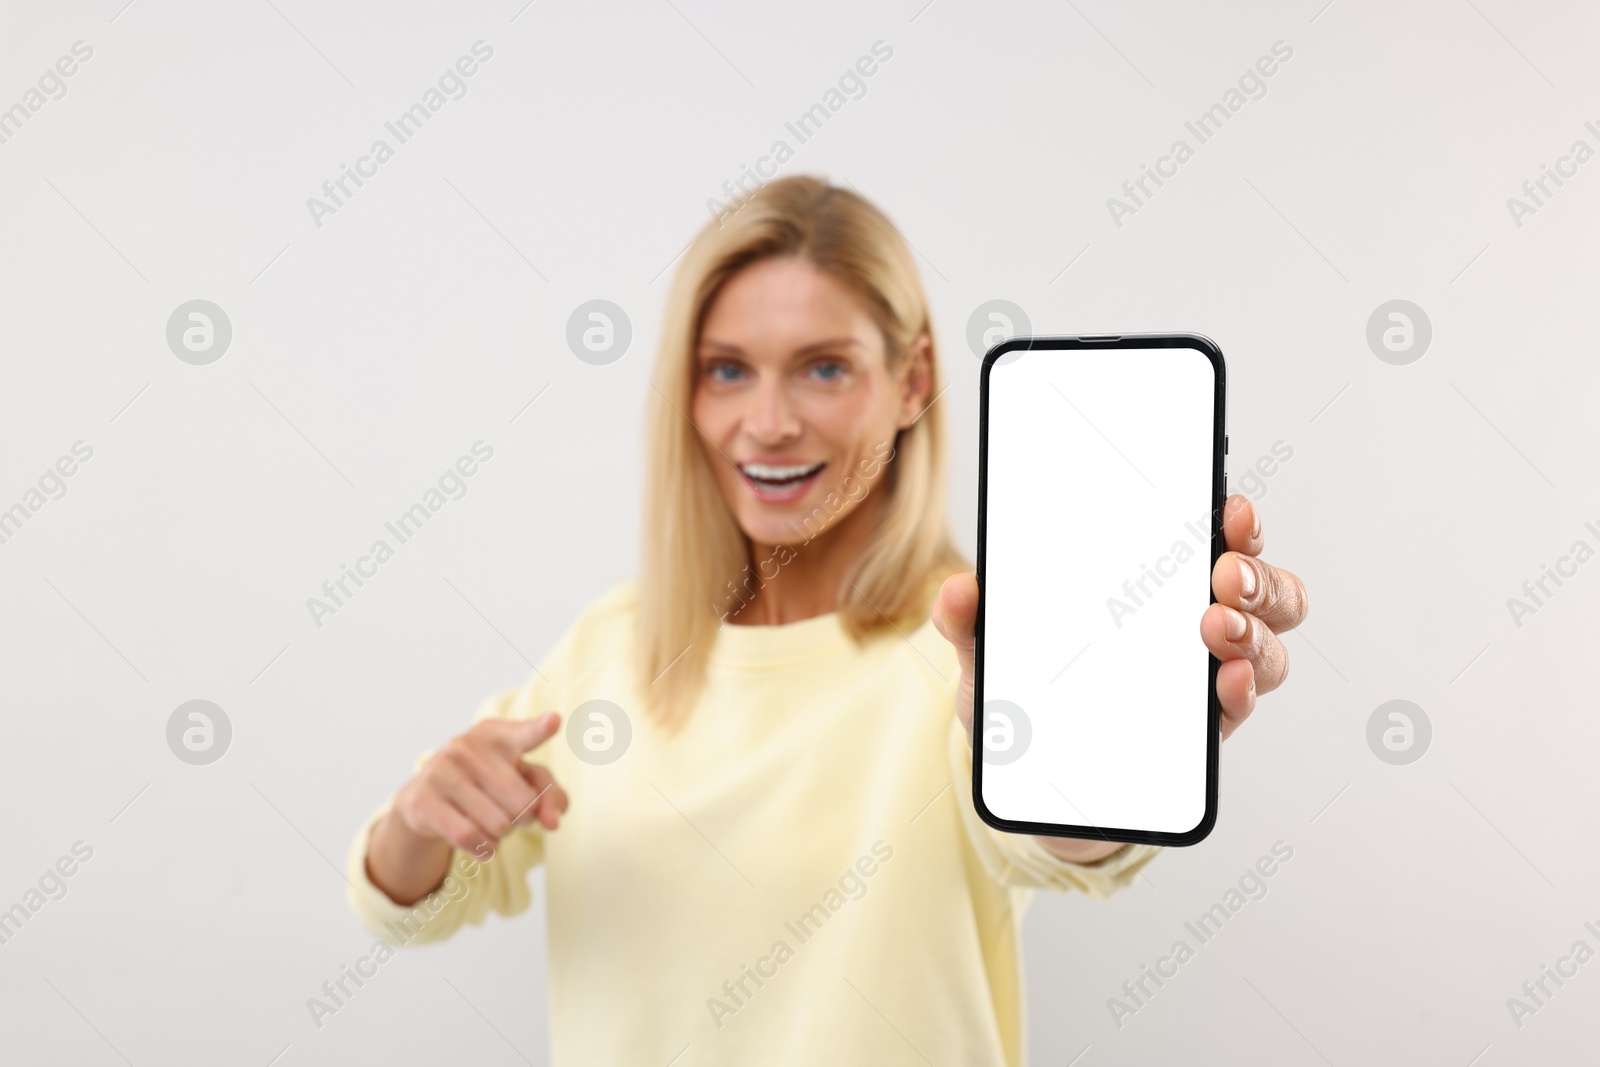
{"points": [[771, 476]]}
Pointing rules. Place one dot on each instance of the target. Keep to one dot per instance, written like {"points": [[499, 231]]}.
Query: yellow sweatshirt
{"points": [[796, 877]]}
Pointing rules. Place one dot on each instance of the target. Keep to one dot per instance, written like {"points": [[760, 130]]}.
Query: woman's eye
{"points": [[724, 372], [829, 371]]}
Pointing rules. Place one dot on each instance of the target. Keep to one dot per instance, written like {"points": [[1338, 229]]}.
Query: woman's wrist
{"points": [[1080, 851], [404, 864]]}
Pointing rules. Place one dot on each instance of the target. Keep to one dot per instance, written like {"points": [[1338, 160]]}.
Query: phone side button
{"points": [[1224, 444]]}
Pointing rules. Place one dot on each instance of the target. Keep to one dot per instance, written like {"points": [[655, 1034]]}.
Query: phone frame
{"points": [[1208, 348]]}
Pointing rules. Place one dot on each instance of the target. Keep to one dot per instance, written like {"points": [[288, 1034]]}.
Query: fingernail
{"points": [[1235, 625], [1255, 522], [1247, 580]]}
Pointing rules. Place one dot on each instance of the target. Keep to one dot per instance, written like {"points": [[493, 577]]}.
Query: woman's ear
{"points": [[916, 380]]}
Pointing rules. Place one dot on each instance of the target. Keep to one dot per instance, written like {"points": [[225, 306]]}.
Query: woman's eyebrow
{"points": [[836, 342], [832, 342]]}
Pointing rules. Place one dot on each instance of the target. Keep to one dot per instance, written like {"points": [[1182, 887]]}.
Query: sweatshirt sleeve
{"points": [[1020, 860], [472, 887]]}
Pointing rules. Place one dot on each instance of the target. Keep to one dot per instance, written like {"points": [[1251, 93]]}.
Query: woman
{"points": [[758, 832]]}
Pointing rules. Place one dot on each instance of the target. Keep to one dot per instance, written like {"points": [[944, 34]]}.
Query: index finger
{"points": [[513, 737]]}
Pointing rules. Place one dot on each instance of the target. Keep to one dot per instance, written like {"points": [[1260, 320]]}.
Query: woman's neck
{"points": [[808, 575]]}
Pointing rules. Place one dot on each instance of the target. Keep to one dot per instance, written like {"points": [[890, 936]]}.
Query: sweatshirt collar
{"points": [[772, 645]]}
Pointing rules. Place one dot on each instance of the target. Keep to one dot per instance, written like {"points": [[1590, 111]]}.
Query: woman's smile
{"points": [[780, 483]]}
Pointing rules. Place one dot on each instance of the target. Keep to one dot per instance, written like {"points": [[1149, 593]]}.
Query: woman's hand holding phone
{"points": [[1255, 602]]}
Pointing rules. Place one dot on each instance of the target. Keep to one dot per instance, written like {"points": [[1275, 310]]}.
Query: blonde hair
{"points": [[693, 549]]}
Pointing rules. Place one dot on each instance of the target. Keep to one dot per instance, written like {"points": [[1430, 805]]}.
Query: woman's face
{"points": [[794, 400]]}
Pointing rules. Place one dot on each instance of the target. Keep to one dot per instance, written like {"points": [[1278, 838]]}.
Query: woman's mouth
{"points": [[780, 484]]}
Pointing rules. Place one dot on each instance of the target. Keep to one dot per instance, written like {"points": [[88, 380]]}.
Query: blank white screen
{"points": [[1099, 473]]}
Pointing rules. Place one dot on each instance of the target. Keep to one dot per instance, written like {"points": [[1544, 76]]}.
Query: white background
{"points": [[370, 353]]}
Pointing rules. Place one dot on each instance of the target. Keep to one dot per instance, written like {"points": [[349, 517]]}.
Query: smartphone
{"points": [[1100, 492]]}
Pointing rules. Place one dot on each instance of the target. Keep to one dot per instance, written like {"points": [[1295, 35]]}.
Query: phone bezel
{"points": [[1208, 348]]}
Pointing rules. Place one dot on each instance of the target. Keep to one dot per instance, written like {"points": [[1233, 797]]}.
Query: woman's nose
{"points": [[772, 417]]}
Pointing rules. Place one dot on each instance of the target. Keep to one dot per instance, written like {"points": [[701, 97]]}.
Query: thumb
{"points": [[955, 613]]}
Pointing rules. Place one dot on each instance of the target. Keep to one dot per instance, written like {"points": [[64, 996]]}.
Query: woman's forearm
{"points": [[405, 865]]}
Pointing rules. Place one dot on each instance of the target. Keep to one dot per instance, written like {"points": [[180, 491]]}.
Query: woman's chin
{"points": [[794, 523], [770, 531], [779, 524]]}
